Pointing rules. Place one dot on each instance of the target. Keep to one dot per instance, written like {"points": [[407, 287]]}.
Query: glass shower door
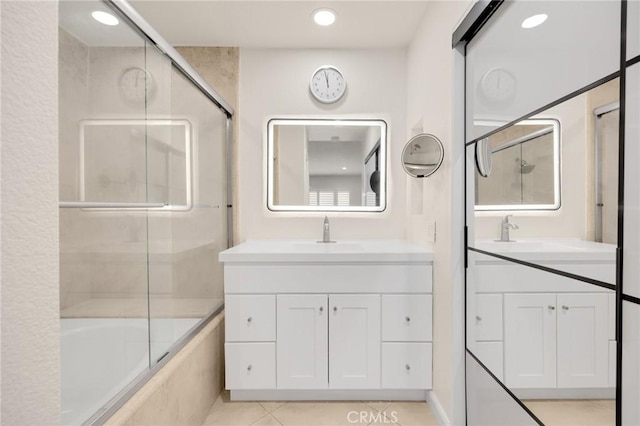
{"points": [[105, 202], [188, 173]]}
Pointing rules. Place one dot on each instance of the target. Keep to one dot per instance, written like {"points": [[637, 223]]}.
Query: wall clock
{"points": [[136, 84], [498, 85], [327, 84]]}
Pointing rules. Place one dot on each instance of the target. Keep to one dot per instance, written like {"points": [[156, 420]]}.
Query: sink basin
{"points": [[336, 247]]}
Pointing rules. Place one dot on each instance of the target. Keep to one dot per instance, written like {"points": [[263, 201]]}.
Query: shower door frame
{"points": [[598, 113]]}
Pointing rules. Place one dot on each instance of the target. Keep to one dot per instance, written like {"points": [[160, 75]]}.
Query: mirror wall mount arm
{"points": [[125, 10]]}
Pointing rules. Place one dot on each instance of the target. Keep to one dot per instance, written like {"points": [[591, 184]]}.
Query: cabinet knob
{"points": [[407, 366], [408, 319], [565, 307], [551, 307], [478, 318], [249, 319], [249, 367], [321, 308], [335, 309]]}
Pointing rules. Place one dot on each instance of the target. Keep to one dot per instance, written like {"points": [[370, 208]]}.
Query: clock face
{"points": [[136, 85], [498, 85], [327, 84]]}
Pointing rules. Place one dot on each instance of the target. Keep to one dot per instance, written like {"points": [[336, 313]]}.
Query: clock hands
{"points": [[326, 77]]}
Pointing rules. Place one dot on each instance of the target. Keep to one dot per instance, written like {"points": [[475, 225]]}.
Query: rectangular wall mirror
{"points": [[525, 168], [326, 165], [136, 162]]}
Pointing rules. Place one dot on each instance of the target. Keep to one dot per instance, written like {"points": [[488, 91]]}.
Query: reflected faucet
{"points": [[326, 232], [504, 229]]}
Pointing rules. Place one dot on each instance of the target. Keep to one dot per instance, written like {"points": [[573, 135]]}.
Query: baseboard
{"points": [[573, 393], [328, 395], [437, 410]]}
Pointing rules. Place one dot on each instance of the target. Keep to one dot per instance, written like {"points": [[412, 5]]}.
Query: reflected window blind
{"points": [[330, 198], [370, 199], [344, 198]]}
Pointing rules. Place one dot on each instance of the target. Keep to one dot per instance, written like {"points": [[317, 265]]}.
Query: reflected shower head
{"points": [[526, 168]]}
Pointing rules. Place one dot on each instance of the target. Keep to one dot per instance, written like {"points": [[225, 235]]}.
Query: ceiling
{"points": [[283, 24]]}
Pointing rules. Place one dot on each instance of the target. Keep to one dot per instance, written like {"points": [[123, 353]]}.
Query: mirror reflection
{"points": [[422, 155], [326, 165], [525, 168], [548, 337], [564, 195]]}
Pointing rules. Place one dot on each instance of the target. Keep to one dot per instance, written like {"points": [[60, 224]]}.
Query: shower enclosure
{"points": [[145, 205]]}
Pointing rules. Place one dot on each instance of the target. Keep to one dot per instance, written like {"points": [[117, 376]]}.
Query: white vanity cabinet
{"points": [[354, 341], [556, 340], [302, 345], [545, 335], [330, 323]]}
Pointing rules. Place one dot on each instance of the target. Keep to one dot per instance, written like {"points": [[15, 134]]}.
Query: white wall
{"points": [[291, 166], [29, 189], [275, 83], [435, 202]]}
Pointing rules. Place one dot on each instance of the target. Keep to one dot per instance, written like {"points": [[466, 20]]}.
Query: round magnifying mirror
{"points": [[422, 155], [484, 157]]}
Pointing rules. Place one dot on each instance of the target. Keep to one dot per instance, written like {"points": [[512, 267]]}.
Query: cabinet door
{"points": [[302, 351], [583, 342], [530, 340], [488, 319], [354, 341]]}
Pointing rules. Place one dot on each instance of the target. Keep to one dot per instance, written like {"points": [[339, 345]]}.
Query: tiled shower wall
{"points": [[110, 260]]}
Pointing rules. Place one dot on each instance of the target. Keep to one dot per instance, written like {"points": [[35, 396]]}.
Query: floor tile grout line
{"points": [[259, 418], [268, 414]]}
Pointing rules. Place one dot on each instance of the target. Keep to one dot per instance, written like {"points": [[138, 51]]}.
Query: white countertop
{"points": [[343, 251], [550, 250]]}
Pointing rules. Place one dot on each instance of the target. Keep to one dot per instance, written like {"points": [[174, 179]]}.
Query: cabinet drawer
{"points": [[250, 365], [406, 365], [488, 318], [250, 318], [406, 318]]}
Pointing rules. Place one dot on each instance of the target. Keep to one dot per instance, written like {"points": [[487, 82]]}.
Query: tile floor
{"points": [[349, 413], [591, 412]]}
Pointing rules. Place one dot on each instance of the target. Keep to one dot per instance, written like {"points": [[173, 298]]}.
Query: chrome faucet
{"points": [[326, 232], [504, 229]]}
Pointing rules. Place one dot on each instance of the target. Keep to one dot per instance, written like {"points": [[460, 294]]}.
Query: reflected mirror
{"points": [[519, 167], [326, 165], [484, 159], [422, 155]]}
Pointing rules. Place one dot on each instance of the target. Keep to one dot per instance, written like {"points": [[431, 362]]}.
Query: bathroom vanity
{"points": [[544, 335], [345, 320]]}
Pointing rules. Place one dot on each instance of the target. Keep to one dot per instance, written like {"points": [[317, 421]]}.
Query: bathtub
{"points": [[101, 356]]}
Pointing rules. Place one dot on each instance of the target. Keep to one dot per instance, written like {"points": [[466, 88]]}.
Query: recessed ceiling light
{"points": [[324, 17], [344, 168], [105, 18], [534, 21]]}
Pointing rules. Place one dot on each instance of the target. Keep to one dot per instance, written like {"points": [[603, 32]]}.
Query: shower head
{"points": [[526, 168]]}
